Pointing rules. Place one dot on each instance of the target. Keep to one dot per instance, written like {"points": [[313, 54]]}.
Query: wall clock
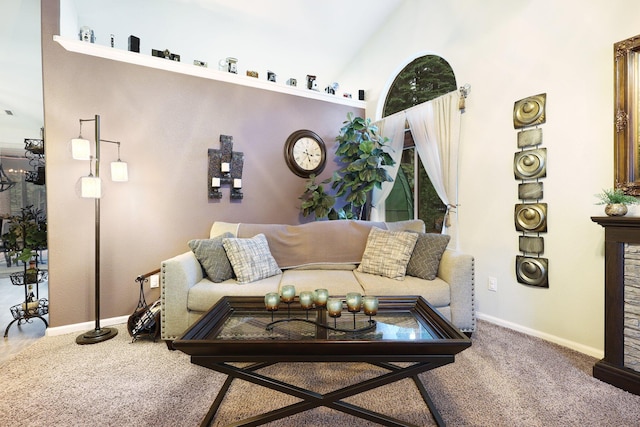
{"points": [[305, 153]]}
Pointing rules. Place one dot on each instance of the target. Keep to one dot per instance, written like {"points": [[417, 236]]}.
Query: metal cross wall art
{"points": [[225, 168], [529, 166]]}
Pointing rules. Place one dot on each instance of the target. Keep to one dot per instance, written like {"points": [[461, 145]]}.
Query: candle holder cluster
{"points": [[320, 300]]}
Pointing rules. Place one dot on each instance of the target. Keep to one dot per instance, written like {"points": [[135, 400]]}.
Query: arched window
{"points": [[422, 80]]}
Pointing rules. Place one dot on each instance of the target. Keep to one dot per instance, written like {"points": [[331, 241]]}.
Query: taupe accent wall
{"points": [[166, 122]]}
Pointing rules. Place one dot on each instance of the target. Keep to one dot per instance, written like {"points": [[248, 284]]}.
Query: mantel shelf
{"points": [[100, 51]]}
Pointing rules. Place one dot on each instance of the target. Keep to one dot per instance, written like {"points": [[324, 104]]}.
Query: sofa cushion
{"points": [[213, 258], [387, 253], [250, 258], [205, 293], [437, 291], [425, 259], [337, 282]]}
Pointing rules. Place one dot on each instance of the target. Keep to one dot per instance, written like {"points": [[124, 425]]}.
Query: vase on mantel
{"points": [[615, 209]]}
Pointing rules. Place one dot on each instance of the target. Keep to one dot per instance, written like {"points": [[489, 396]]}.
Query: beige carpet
{"points": [[504, 379]]}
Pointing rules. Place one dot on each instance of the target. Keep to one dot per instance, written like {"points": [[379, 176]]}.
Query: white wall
{"points": [[508, 50]]}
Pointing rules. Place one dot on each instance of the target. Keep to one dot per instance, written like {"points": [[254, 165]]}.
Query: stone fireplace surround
{"points": [[621, 363]]}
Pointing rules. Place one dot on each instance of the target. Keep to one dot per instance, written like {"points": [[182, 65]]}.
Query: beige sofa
{"points": [[322, 254]]}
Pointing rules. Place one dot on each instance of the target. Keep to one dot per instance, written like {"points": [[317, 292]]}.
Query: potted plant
{"points": [[362, 152], [615, 201], [26, 236], [316, 201]]}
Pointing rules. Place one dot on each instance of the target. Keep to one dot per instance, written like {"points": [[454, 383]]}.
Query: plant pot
{"points": [[615, 209]]}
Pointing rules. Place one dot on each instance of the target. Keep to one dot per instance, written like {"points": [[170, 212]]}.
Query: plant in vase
{"points": [[316, 201], [615, 201], [26, 236], [362, 152]]}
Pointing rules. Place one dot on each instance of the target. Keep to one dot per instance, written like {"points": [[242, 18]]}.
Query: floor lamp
{"points": [[90, 187]]}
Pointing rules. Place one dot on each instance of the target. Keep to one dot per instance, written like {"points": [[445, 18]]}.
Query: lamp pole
{"points": [[98, 334]]}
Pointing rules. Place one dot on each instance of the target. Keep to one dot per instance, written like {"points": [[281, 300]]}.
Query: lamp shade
{"points": [[80, 149], [90, 187], [119, 171]]}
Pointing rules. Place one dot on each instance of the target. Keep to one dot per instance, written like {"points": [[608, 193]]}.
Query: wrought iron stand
{"points": [[33, 306]]}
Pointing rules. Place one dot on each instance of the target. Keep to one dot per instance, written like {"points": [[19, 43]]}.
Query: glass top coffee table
{"points": [[239, 329]]}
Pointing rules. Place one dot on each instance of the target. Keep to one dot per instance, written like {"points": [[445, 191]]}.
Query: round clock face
{"points": [[305, 153]]}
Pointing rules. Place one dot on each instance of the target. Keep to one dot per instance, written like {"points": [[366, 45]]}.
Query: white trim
{"points": [[100, 51], [591, 351], [86, 326]]}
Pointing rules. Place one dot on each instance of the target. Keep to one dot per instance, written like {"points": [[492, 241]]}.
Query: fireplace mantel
{"points": [[619, 233]]}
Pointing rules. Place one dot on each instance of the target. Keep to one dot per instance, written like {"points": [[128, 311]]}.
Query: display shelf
{"points": [[114, 54]]}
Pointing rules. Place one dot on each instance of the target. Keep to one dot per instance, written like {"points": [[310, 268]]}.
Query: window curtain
{"points": [[392, 127], [435, 126]]}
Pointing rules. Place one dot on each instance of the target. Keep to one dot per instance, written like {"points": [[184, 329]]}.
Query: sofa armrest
{"points": [[457, 269], [178, 275]]}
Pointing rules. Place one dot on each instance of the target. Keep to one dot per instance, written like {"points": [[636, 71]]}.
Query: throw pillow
{"points": [[251, 258], [387, 253], [426, 256], [212, 257]]}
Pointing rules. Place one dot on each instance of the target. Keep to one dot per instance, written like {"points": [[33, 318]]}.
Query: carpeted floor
{"points": [[504, 379]]}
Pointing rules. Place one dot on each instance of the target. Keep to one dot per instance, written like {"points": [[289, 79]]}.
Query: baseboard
{"points": [[591, 351], [85, 326]]}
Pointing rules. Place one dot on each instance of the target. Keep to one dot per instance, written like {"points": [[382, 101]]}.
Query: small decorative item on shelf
{"points": [[292, 82], [615, 201], [253, 74], [86, 34], [332, 88], [166, 54], [200, 63], [134, 44], [320, 300], [229, 64], [271, 76], [312, 84]]}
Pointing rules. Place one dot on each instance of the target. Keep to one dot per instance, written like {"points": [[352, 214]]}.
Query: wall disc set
{"points": [[529, 167]]}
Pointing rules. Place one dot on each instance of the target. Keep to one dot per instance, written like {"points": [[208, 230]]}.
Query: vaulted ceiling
{"points": [[328, 32]]}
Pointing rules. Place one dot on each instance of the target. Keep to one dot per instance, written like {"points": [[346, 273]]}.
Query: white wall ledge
{"points": [[100, 51]]}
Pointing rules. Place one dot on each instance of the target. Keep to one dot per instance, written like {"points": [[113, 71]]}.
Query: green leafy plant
{"points": [[316, 201], [362, 152], [27, 234], [615, 196]]}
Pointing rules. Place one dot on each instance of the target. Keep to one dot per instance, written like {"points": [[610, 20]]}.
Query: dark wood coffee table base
{"points": [[330, 400], [410, 337]]}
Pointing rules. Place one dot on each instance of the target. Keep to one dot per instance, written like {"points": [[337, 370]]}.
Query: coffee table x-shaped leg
{"points": [[332, 400]]}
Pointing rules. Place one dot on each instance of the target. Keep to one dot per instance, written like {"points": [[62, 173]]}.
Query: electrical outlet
{"points": [[492, 284], [154, 281]]}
